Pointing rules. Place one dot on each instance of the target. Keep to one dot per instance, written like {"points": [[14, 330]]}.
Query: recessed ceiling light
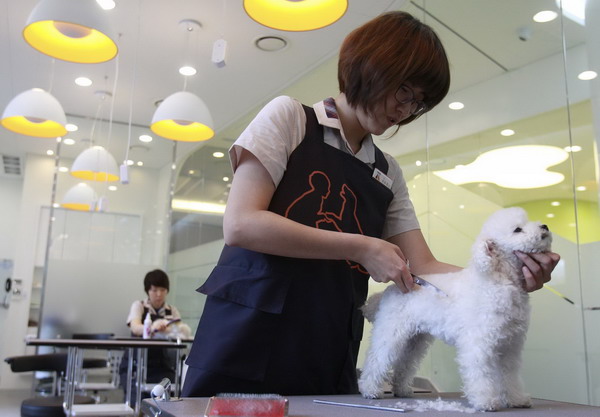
{"points": [[456, 105], [145, 138], [581, 188], [418, 163], [129, 162], [531, 164], [49, 152], [140, 163], [573, 9], [191, 172], [106, 4], [63, 169], [68, 141], [574, 148], [462, 206], [550, 215], [112, 187], [83, 81], [587, 75], [507, 132], [218, 154], [187, 70], [545, 16], [71, 127], [225, 179], [270, 43], [200, 206], [555, 203]]}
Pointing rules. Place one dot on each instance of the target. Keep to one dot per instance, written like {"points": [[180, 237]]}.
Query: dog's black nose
{"points": [[544, 227]]}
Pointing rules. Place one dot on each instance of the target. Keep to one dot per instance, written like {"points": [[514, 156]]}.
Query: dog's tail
{"points": [[370, 308]]}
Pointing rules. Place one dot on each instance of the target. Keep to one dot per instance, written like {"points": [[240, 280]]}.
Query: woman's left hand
{"points": [[537, 268]]}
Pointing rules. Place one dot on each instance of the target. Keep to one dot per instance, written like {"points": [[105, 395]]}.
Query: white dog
{"points": [[484, 314]]}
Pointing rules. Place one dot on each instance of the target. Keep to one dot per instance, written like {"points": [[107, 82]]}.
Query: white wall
{"points": [[10, 203]]}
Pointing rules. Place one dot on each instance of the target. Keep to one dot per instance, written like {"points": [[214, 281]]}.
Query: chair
{"points": [[49, 406], [111, 363]]}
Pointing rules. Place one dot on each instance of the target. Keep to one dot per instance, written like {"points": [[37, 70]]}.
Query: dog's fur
{"points": [[485, 315]]}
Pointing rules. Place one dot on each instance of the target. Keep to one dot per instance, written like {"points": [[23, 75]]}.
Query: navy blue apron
{"points": [[287, 325]]}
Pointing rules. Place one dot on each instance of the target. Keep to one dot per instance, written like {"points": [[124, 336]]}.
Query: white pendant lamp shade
{"points": [[183, 116], [35, 112], [71, 30], [295, 15], [95, 164], [80, 197]]}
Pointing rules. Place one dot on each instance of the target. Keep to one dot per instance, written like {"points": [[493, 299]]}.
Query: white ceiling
{"points": [[481, 38], [153, 45]]}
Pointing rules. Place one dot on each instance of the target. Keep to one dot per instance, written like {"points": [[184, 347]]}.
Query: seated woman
{"points": [[166, 323]]}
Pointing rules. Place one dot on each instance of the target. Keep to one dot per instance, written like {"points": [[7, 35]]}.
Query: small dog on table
{"points": [[482, 310]]}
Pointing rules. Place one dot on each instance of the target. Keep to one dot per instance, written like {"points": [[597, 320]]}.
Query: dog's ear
{"points": [[485, 253]]}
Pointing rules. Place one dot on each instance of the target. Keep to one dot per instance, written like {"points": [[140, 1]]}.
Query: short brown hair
{"points": [[394, 48], [158, 278]]}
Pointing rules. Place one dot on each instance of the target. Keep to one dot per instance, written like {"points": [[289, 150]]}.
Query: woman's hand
{"points": [[537, 268], [159, 325], [386, 262]]}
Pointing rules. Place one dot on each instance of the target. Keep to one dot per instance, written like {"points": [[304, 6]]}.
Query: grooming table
{"points": [[303, 406]]}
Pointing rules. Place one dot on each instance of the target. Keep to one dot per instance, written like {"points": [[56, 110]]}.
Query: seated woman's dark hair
{"points": [[392, 49], [158, 278]]}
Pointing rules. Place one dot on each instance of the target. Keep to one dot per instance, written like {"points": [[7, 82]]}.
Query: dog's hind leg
{"points": [[407, 364], [388, 339]]}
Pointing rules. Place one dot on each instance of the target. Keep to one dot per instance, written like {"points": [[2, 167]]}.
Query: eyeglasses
{"points": [[405, 95]]}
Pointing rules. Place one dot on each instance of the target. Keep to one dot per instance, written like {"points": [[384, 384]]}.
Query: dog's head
{"points": [[506, 231]]}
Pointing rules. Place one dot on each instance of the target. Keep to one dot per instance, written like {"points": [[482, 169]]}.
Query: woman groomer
{"points": [[316, 208]]}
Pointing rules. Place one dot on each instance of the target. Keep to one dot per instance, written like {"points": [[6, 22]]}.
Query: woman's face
{"points": [[388, 113], [157, 296]]}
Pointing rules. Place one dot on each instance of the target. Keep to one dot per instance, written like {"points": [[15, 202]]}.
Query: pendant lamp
{"points": [[71, 30], [183, 116], [295, 15], [95, 164], [35, 112], [80, 197]]}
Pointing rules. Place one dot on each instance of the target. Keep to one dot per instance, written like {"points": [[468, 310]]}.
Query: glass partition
{"points": [[526, 135]]}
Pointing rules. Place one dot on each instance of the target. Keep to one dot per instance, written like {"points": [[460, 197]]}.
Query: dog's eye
{"points": [[517, 230]]}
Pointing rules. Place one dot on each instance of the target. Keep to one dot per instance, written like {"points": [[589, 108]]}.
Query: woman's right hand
{"points": [[385, 262]]}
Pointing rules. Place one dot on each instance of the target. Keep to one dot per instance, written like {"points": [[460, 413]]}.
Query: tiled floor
{"points": [[10, 401]]}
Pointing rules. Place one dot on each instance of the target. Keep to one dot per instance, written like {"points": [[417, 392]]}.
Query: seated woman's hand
{"points": [[159, 325]]}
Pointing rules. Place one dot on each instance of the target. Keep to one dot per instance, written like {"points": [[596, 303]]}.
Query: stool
{"points": [[49, 406], [52, 362]]}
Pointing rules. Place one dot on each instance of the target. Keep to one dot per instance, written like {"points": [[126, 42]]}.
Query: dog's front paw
{"points": [[369, 387], [523, 401], [488, 405], [372, 395], [403, 391]]}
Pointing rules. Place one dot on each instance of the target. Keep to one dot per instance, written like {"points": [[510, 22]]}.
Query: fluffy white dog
{"points": [[484, 314]]}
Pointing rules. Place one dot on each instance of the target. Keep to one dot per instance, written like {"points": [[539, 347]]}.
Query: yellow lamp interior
{"points": [[95, 176], [70, 42], [295, 16], [182, 131], [33, 127], [76, 206]]}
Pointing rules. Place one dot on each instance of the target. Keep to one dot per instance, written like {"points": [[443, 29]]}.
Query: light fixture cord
{"points": [[133, 76], [112, 108], [96, 120], [51, 86]]}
